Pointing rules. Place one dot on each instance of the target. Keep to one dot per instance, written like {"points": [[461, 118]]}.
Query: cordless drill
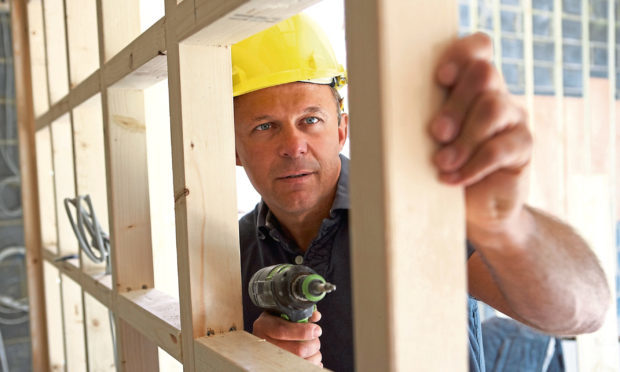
{"points": [[291, 291]]}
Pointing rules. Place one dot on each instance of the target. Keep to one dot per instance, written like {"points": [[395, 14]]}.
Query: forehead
{"points": [[284, 99]]}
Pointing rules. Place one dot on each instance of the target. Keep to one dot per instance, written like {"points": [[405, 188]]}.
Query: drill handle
{"points": [[297, 316]]}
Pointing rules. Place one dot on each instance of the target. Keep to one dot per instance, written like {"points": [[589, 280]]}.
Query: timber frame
{"points": [[83, 71], [84, 68]]}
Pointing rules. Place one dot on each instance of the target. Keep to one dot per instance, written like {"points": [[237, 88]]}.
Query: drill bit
{"points": [[318, 288]]}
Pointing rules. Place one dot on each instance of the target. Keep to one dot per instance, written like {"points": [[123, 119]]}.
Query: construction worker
{"points": [[289, 130]]}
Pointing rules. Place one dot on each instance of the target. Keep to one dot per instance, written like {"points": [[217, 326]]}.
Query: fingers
{"points": [[453, 62], [316, 316], [491, 114], [301, 339], [303, 349], [479, 77], [509, 151], [316, 359], [280, 329]]}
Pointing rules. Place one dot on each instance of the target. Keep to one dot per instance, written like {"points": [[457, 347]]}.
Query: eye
{"points": [[311, 120], [263, 127]]}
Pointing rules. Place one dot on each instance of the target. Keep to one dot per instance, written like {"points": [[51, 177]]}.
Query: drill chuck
{"points": [[289, 290]]}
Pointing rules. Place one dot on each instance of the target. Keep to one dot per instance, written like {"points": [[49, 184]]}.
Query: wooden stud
{"points": [[29, 182], [82, 47], [160, 189], [90, 180], [37, 54], [120, 24], [591, 199], [528, 59], [398, 229], [64, 186], [56, 49], [128, 205], [53, 309]]}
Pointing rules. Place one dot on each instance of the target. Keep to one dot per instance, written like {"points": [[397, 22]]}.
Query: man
{"points": [[289, 131]]}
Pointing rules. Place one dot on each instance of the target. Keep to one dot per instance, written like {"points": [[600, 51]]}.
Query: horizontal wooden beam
{"points": [[225, 22], [142, 63], [76, 96], [241, 351], [150, 44], [151, 312]]}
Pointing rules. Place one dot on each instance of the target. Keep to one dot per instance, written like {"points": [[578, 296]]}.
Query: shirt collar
{"points": [[267, 221]]}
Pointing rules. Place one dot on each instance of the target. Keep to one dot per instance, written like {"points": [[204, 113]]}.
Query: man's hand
{"points": [[301, 339], [527, 264], [485, 144]]}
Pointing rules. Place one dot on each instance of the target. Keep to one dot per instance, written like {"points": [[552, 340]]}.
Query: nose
{"points": [[293, 143]]}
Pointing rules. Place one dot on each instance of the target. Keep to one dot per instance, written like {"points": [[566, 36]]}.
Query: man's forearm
{"points": [[546, 273]]}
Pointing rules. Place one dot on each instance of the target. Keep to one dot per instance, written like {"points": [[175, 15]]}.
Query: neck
{"points": [[303, 228]]}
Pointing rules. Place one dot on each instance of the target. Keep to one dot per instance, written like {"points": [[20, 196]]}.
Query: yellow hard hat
{"points": [[293, 50]]}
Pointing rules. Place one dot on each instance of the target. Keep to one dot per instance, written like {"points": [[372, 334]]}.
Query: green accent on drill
{"points": [[277, 269], [306, 290]]}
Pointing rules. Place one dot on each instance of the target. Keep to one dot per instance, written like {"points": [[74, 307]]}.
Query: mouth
{"points": [[296, 175]]}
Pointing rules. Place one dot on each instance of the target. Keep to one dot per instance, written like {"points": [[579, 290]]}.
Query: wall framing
{"points": [[70, 53]]}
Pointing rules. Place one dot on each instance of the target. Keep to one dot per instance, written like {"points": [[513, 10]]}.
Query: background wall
{"points": [[14, 330]]}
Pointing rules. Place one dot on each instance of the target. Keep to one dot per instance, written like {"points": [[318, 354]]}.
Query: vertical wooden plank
{"points": [[37, 53], [178, 173], [128, 205], [398, 228], [585, 62], [56, 49], [29, 182], [53, 306], [160, 188], [206, 220], [82, 44], [473, 16], [528, 59], [590, 212], [591, 204], [90, 180], [558, 88], [71, 294], [121, 24], [118, 22], [497, 34]]}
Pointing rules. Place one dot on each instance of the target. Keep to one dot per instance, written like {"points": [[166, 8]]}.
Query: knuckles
{"points": [[484, 75]]}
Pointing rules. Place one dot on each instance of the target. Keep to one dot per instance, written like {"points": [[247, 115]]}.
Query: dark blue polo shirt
{"points": [[263, 244]]}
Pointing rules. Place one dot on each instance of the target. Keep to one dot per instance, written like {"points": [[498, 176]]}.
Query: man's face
{"points": [[288, 139]]}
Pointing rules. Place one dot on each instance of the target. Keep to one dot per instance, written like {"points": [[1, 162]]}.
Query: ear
{"points": [[343, 129], [237, 158]]}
